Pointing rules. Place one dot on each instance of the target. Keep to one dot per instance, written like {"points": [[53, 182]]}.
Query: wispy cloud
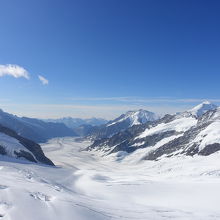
{"points": [[143, 100], [43, 80], [13, 70], [107, 107], [86, 111]]}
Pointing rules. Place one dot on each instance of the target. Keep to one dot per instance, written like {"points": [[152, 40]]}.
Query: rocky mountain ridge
{"points": [[186, 133], [121, 123]]}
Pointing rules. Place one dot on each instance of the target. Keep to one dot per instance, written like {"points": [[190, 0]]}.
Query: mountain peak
{"points": [[202, 108], [206, 103], [135, 117], [139, 111]]}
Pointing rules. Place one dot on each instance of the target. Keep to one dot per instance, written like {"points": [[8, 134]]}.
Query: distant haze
{"points": [[108, 112]]}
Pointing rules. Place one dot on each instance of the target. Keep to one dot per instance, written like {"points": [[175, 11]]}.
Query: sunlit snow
{"points": [[85, 186]]}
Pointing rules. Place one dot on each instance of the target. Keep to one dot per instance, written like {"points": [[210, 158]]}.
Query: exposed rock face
{"points": [[13, 145], [188, 133]]}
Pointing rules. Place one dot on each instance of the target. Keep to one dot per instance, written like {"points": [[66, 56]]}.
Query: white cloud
{"points": [[13, 70], [43, 80]]}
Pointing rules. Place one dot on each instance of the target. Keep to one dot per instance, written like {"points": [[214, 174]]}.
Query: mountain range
{"points": [[34, 129], [80, 127], [196, 131], [16, 132], [76, 122], [140, 161]]}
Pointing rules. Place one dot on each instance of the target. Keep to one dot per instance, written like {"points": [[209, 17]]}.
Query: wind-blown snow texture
{"points": [[85, 186]]}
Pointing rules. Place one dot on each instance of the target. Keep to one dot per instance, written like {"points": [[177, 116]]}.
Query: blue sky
{"points": [[103, 57]]}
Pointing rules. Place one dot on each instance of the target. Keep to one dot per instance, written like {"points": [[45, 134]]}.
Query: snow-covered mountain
{"points": [[121, 123], [196, 131], [14, 146], [34, 129], [134, 118], [202, 108]]}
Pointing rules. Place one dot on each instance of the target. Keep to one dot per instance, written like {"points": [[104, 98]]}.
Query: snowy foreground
{"points": [[87, 186]]}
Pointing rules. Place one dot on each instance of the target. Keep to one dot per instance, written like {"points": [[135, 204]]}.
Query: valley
{"points": [[84, 185], [109, 110]]}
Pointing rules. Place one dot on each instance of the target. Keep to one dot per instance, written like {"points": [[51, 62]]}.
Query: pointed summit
{"points": [[141, 116], [202, 108], [134, 118]]}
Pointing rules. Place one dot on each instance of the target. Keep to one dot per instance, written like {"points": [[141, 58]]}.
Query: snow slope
{"points": [[15, 146], [211, 134], [12, 145], [85, 186], [179, 125], [182, 122]]}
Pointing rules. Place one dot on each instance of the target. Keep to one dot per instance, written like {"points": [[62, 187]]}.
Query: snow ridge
{"points": [[135, 117], [195, 131]]}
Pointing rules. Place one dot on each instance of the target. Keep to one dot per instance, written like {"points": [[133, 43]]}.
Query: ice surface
{"points": [[85, 186]]}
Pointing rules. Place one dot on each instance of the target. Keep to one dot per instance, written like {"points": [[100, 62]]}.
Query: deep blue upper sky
{"points": [[94, 52]]}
